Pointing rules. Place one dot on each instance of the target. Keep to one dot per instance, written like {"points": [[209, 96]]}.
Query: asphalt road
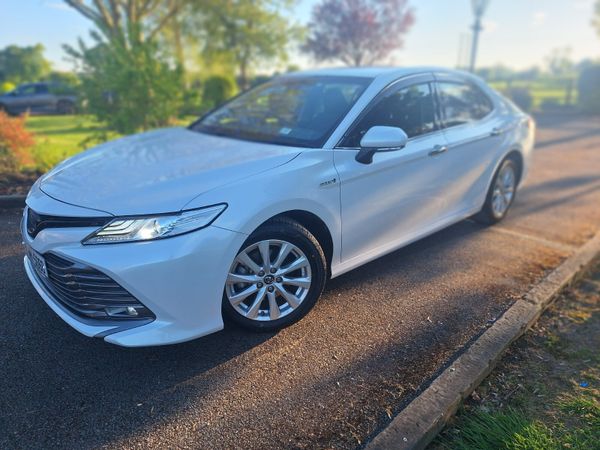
{"points": [[376, 338]]}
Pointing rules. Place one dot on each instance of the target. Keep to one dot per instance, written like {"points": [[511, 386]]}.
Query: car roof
{"points": [[37, 83], [381, 74]]}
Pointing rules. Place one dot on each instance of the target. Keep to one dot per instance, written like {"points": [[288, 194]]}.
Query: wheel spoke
{"points": [[248, 262], [274, 312], [508, 178], [298, 264], [302, 282], [290, 298], [496, 203], [240, 278], [501, 204], [253, 310], [241, 296], [284, 250], [263, 247]]}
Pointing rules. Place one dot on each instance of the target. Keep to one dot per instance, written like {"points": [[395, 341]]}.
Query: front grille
{"points": [[87, 292], [37, 222]]}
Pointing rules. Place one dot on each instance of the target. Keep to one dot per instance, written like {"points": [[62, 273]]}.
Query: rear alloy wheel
{"points": [[65, 107], [501, 194], [276, 277]]}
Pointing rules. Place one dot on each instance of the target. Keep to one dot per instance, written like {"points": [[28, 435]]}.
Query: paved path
{"points": [[332, 380]]}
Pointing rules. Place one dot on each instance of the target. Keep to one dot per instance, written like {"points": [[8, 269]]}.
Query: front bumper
{"points": [[179, 279]]}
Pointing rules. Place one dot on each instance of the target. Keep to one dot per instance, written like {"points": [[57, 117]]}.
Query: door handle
{"points": [[438, 150], [496, 132]]}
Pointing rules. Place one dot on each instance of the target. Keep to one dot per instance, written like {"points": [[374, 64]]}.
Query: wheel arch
{"points": [[516, 155], [317, 227]]}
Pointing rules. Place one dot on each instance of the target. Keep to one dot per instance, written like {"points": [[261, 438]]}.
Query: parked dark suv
{"points": [[39, 97]]}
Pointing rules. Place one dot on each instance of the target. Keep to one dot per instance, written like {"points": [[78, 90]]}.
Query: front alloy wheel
{"points": [[276, 277]]}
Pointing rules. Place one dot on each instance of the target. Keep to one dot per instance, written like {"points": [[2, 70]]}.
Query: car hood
{"points": [[158, 171]]}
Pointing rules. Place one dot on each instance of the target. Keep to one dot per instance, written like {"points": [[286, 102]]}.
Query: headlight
{"points": [[133, 229]]}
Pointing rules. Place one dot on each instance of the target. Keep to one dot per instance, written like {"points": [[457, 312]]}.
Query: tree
{"points": [[128, 22], [128, 88], [23, 64], [560, 63], [589, 90], [248, 31], [127, 81], [357, 32]]}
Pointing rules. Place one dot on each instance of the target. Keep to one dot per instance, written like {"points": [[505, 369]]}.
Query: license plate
{"points": [[38, 262]]}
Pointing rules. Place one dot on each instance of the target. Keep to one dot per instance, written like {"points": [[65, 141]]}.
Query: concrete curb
{"points": [[417, 424], [12, 201]]}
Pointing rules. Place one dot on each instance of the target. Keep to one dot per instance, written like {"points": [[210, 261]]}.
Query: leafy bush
{"points": [[7, 86], [217, 89], [192, 99], [589, 90], [260, 79], [521, 96], [67, 79], [15, 143], [130, 88], [551, 104]]}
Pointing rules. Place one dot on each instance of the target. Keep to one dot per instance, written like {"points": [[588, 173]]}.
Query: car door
{"points": [[43, 100], [475, 142], [399, 196], [22, 98]]}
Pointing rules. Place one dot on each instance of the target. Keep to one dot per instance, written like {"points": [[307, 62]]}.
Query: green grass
{"points": [[58, 137], [541, 91], [507, 430], [545, 393], [576, 425]]}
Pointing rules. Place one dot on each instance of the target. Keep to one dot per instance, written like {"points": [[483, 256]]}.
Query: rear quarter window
{"points": [[462, 103]]}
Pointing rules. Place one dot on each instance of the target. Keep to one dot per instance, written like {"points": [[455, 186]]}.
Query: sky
{"points": [[518, 33]]}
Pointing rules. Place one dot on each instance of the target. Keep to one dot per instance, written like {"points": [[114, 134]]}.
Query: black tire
{"points": [[487, 216], [65, 107], [293, 232]]}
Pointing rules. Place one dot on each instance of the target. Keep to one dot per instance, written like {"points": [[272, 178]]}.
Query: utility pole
{"points": [[479, 7]]}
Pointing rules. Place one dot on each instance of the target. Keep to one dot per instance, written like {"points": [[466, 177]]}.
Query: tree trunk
{"points": [[244, 82]]}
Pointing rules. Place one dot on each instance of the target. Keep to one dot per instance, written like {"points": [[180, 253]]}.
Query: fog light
{"points": [[121, 311]]}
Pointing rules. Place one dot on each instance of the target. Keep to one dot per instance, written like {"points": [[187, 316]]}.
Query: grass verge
{"points": [[545, 393], [58, 137]]}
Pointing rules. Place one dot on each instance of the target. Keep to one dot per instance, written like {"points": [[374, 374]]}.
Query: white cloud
{"points": [[538, 19], [489, 26], [57, 5], [583, 5]]}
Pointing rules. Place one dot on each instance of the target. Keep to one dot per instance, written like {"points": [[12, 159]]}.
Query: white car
{"points": [[157, 238]]}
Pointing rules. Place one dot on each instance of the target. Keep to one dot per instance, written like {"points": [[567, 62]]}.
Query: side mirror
{"points": [[380, 139]]}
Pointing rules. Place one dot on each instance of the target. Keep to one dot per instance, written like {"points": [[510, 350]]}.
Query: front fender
{"points": [[308, 183]]}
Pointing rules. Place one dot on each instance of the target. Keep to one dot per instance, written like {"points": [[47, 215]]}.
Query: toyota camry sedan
{"points": [[159, 237]]}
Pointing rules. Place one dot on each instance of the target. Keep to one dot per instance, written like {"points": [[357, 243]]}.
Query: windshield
{"points": [[297, 111]]}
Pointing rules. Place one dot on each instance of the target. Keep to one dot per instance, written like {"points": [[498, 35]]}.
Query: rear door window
{"points": [[41, 89]]}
